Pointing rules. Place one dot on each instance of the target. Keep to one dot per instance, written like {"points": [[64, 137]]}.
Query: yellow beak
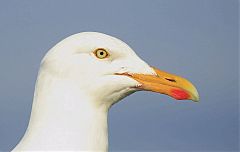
{"points": [[166, 83]]}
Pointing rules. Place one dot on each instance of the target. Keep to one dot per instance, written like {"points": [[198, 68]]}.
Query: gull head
{"points": [[106, 67]]}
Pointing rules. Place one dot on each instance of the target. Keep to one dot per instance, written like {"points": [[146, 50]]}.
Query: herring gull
{"points": [[79, 80]]}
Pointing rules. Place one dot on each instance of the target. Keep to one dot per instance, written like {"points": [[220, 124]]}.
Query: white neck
{"points": [[64, 118]]}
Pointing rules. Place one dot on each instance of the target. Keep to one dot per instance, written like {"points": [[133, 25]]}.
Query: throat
{"points": [[64, 118]]}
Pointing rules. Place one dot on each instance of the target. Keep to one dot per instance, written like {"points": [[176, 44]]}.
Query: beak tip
{"points": [[195, 96], [195, 100]]}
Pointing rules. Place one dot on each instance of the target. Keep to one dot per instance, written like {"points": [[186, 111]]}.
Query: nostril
{"points": [[169, 79]]}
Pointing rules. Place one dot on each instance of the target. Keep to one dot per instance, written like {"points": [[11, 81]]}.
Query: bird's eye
{"points": [[101, 53]]}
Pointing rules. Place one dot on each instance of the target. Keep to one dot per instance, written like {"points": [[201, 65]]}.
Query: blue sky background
{"points": [[197, 39]]}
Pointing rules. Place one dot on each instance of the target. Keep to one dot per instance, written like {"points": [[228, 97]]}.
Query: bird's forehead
{"points": [[88, 42], [91, 40]]}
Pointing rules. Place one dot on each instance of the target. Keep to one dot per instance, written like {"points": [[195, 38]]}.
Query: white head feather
{"points": [[75, 89]]}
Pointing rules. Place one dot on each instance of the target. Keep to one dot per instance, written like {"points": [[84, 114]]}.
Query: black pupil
{"points": [[101, 53]]}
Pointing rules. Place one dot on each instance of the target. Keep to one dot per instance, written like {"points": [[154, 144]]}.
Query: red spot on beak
{"points": [[179, 94]]}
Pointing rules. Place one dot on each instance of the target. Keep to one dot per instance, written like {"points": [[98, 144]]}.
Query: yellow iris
{"points": [[101, 53]]}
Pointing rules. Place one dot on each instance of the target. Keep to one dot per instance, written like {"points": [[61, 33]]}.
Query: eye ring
{"points": [[101, 53]]}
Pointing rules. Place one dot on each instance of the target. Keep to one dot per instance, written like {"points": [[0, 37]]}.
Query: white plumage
{"points": [[75, 90]]}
